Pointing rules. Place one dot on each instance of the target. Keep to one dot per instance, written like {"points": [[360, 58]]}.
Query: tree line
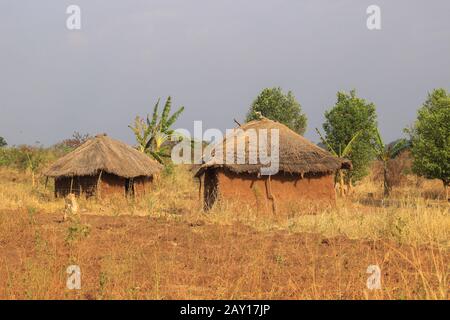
{"points": [[351, 131]]}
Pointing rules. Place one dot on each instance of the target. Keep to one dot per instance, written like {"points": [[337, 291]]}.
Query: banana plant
{"points": [[152, 133], [141, 133], [158, 140], [341, 153], [385, 153]]}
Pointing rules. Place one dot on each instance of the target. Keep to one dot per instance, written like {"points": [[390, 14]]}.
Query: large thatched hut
{"points": [[103, 166], [305, 175]]}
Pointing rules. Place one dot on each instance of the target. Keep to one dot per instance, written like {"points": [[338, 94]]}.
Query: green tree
{"points": [[153, 132], [3, 142], [385, 153], [272, 103], [430, 136], [348, 116]]}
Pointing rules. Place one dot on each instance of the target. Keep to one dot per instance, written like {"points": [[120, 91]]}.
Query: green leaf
{"points": [[325, 142], [152, 123], [165, 113], [173, 118], [348, 148]]}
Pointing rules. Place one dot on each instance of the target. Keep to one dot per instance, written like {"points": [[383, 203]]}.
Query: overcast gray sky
{"points": [[213, 57]]}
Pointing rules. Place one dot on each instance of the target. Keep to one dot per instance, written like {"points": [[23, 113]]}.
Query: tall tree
{"points": [[430, 136], [153, 132], [348, 116], [272, 103]]}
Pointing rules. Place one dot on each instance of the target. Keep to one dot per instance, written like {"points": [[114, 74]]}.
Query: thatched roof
{"points": [[297, 155], [102, 153]]}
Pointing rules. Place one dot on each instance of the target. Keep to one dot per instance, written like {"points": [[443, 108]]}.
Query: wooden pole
{"points": [[98, 184], [132, 187], [270, 194], [200, 188], [71, 184]]}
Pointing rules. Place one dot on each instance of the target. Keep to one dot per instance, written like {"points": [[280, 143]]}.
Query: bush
{"points": [[3, 142], [9, 157], [398, 169]]}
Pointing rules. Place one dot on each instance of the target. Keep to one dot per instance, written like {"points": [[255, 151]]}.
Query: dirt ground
{"points": [[128, 257]]}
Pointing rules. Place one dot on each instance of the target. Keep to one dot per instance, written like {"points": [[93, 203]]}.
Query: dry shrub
{"points": [[398, 170]]}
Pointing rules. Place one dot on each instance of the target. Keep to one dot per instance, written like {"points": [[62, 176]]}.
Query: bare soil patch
{"points": [[159, 258]]}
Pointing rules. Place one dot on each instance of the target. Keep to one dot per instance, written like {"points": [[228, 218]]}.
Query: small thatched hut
{"points": [[103, 166], [305, 176]]}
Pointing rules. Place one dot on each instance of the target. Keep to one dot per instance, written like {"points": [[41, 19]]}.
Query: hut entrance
{"points": [[211, 188], [129, 187]]}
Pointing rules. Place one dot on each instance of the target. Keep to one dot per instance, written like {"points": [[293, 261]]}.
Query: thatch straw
{"points": [[102, 153], [297, 155]]}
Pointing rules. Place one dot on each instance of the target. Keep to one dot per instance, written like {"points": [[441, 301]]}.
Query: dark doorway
{"points": [[211, 189], [129, 187]]}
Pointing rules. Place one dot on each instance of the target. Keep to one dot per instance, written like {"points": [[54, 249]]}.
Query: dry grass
{"points": [[165, 247]]}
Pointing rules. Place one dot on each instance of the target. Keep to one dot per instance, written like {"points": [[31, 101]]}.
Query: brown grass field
{"points": [[165, 247]]}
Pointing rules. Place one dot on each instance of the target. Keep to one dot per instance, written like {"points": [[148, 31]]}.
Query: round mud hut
{"points": [[305, 177], [103, 167]]}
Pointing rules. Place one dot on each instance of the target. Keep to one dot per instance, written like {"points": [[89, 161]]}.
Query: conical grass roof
{"points": [[297, 155], [102, 153]]}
